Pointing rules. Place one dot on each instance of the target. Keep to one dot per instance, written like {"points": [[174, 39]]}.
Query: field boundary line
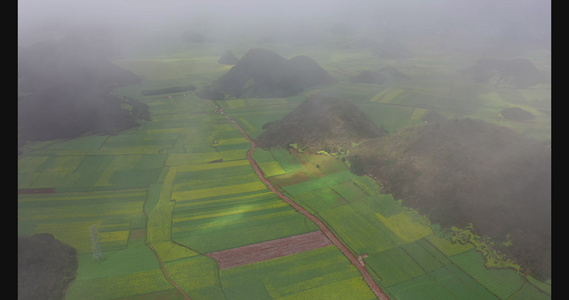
{"points": [[351, 257], [165, 272]]}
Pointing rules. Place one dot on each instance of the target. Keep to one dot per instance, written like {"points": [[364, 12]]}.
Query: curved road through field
{"points": [[166, 272], [353, 259]]}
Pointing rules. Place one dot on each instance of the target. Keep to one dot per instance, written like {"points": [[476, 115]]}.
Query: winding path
{"points": [[353, 259], [166, 272]]}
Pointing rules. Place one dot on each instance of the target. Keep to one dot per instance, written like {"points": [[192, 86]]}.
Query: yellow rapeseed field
{"points": [[405, 227]]}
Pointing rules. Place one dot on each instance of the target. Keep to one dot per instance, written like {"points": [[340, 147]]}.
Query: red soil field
{"points": [[270, 249]]}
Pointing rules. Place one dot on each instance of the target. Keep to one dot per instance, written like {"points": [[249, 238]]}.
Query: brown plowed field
{"points": [[270, 249]]}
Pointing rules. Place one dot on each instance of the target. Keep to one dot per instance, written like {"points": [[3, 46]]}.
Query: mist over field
{"points": [[443, 105]]}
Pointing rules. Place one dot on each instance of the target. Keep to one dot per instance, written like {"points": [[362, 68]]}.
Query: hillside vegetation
{"points": [[63, 92], [46, 267], [457, 172], [264, 73], [318, 122]]}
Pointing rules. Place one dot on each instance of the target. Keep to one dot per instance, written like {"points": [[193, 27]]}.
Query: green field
{"points": [[321, 273], [405, 257], [182, 184]]}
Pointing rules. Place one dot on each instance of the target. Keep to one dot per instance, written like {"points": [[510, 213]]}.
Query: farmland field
{"points": [[406, 258], [169, 196]]}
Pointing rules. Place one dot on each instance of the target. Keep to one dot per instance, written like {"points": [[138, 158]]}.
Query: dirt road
{"points": [[166, 272], [353, 259]]}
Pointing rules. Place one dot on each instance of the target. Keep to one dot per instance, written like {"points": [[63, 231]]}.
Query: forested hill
{"points": [[468, 171], [264, 73], [456, 171], [46, 267], [318, 122], [71, 58], [63, 92]]}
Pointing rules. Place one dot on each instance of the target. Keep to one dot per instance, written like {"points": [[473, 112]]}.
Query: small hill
{"points": [[71, 58], [517, 114], [228, 58], [63, 92], [469, 171], [263, 73], [513, 73], [46, 267], [70, 109], [318, 122]]}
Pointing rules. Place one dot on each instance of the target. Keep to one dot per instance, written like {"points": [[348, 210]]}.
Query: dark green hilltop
{"points": [[264, 73]]}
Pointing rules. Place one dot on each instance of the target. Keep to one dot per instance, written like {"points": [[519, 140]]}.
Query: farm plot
{"points": [[253, 253], [287, 161], [323, 273], [68, 216], [529, 291], [358, 92], [318, 165], [501, 282], [444, 283], [388, 95], [319, 183], [319, 200], [403, 254], [271, 168], [224, 205], [408, 225], [206, 179], [391, 117], [131, 272], [197, 276], [78, 146], [223, 143], [136, 144], [192, 140], [253, 123], [359, 229], [235, 220], [112, 287], [69, 173]]}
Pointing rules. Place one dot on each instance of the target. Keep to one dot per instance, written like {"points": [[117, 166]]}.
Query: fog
{"points": [[495, 36], [511, 20]]}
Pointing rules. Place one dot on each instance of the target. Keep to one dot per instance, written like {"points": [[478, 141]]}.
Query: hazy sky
{"points": [[527, 16]]}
